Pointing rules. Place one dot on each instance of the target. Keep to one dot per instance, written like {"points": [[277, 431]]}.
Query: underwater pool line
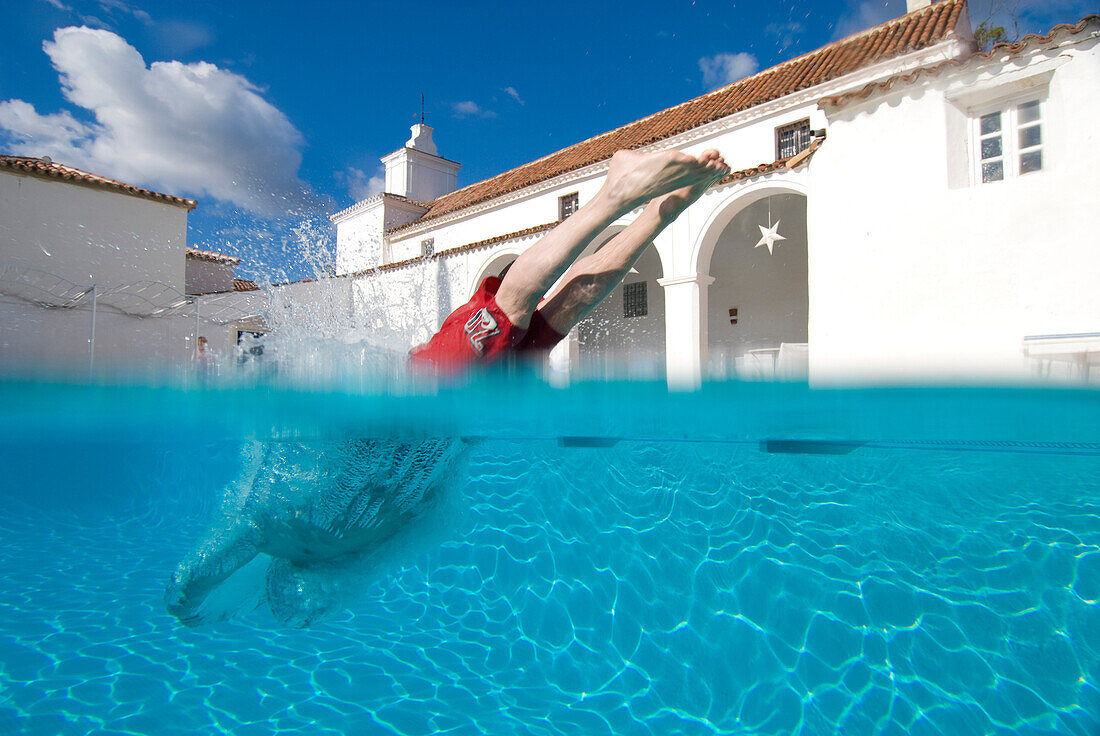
{"points": [[818, 447]]}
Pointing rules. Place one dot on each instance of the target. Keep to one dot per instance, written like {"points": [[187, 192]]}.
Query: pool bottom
{"points": [[635, 589]]}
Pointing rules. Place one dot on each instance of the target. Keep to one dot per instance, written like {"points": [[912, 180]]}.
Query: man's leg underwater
{"points": [[592, 278], [632, 179]]}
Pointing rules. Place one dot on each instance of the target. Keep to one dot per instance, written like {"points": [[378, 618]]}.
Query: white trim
{"points": [[702, 279], [399, 202], [392, 156], [1006, 86], [1009, 136]]}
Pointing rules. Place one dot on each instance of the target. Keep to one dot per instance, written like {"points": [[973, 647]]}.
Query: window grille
{"points": [[792, 139], [1009, 142], [1030, 137], [427, 247], [989, 132], [635, 303], [567, 205]]}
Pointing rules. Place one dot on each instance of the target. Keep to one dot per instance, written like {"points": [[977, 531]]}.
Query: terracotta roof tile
{"points": [[1024, 44], [212, 257], [47, 169], [243, 285], [910, 32]]}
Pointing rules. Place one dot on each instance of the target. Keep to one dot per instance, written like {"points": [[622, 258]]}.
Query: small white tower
{"points": [[414, 172], [417, 171]]}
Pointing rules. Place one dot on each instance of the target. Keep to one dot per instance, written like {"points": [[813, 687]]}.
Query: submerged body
{"points": [[312, 522], [305, 526]]}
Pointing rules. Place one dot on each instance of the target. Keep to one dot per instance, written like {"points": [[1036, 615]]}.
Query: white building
{"points": [[95, 272], [933, 204]]}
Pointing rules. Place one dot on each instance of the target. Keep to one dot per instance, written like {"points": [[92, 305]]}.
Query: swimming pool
{"points": [[747, 559]]}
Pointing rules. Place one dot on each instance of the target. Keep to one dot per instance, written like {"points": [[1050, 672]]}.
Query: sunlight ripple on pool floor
{"points": [[638, 589]]}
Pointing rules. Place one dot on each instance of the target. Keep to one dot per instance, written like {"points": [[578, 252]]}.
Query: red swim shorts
{"points": [[478, 333]]}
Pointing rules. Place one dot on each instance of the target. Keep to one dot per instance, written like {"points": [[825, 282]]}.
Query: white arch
{"points": [[490, 265], [737, 199]]}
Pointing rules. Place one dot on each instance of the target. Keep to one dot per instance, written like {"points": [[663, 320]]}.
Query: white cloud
{"points": [[360, 185], [183, 128], [863, 14], [181, 37], [123, 7], [786, 34], [58, 132], [514, 95], [59, 5], [722, 69], [470, 109]]}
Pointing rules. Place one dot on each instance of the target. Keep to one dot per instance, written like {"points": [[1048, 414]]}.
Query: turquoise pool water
{"points": [[748, 559]]}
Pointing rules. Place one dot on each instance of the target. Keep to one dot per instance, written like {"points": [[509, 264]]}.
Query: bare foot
{"points": [[636, 177], [669, 206]]}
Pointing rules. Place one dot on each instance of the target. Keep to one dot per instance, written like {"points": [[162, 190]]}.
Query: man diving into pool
{"points": [[307, 525], [522, 313]]}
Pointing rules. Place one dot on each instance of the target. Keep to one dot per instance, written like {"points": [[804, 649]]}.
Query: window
{"points": [[567, 205], [427, 247], [634, 300], [792, 139], [1008, 142]]}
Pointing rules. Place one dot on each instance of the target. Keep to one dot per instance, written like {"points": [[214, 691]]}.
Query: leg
{"points": [[228, 547], [224, 551], [633, 179], [591, 279]]}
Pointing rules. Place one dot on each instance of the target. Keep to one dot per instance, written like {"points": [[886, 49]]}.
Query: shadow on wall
{"points": [[760, 296], [625, 334]]}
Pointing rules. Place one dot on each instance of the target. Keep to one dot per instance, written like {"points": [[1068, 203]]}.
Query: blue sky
{"points": [[274, 114]]}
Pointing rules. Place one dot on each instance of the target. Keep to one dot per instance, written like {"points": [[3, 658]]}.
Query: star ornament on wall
{"points": [[769, 236]]}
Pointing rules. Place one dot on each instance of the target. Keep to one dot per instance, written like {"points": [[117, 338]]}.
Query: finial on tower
{"points": [[423, 114], [421, 138]]}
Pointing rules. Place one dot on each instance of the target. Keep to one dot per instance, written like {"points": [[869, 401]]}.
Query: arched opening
{"points": [[758, 304], [625, 334], [497, 266]]}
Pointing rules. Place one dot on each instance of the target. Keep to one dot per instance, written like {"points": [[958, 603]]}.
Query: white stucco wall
{"points": [[359, 239], [205, 277], [418, 175], [916, 273], [90, 235], [912, 272], [35, 340]]}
